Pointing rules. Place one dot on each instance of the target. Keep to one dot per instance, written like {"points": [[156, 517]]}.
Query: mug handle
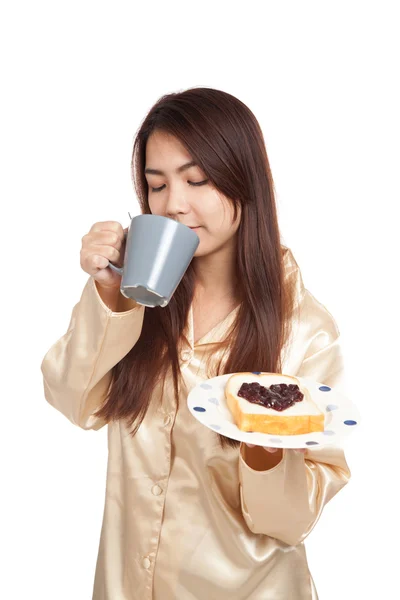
{"points": [[119, 270]]}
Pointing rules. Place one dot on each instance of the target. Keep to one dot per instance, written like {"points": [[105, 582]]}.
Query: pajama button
{"points": [[167, 420], [146, 563], [186, 355], [156, 490]]}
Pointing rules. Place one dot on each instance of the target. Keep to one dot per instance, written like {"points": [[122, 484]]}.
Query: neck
{"points": [[216, 275]]}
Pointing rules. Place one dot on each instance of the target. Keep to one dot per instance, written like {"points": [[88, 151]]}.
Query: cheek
{"points": [[220, 213], [209, 208], [156, 207]]}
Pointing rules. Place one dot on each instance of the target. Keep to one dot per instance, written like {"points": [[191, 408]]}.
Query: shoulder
{"points": [[292, 273], [310, 310]]}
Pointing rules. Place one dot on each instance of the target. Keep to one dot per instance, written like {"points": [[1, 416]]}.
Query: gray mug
{"points": [[157, 253]]}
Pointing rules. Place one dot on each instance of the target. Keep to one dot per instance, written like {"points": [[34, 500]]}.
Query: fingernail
{"points": [[250, 445]]}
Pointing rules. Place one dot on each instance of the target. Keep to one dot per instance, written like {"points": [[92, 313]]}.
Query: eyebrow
{"points": [[178, 170]]}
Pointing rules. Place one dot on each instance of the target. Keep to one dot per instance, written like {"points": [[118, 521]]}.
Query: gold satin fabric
{"points": [[184, 519]]}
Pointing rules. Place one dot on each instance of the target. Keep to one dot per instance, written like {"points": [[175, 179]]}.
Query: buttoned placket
{"points": [[158, 488], [157, 492]]}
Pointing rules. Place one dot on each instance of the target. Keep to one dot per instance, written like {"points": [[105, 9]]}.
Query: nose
{"points": [[176, 203]]}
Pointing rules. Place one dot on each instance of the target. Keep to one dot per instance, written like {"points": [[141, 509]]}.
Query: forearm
{"points": [[287, 500], [77, 368]]}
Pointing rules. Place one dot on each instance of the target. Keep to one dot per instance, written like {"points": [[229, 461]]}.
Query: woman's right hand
{"points": [[104, 243]]}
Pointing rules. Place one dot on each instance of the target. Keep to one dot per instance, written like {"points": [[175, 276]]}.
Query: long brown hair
{"points": [[225, 140]]}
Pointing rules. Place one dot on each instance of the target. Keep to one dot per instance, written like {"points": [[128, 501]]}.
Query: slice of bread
{"points": [[301, 417]]}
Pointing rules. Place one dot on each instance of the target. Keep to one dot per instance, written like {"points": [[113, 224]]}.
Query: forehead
{"points": [[165, 148]]}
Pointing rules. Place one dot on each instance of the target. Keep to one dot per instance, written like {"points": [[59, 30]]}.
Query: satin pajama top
{"points": [[183, 518]]}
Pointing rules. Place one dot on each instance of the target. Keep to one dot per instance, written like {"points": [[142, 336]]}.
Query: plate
{"points": [[207, 403]]}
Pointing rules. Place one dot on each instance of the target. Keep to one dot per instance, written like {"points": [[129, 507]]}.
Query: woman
{"points": [[190, 514]]}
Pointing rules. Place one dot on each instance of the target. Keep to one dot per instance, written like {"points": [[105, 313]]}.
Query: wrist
{"points": [[259, 459], [113, 299]]}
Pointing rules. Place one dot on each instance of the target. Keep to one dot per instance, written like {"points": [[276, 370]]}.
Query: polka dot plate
{"points": [[207, 404]]}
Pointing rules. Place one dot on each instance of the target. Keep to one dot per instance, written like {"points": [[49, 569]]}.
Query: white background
{"points": [[77, 79]]}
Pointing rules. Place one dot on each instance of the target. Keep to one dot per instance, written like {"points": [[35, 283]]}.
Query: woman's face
{"points": [[179, 189]]}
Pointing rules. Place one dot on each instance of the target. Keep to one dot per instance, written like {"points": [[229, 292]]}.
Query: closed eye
{"points": [[192, 183], [198, 182]]}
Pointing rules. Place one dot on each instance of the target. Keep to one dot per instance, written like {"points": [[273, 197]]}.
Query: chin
{"points": [[204, 249], [201, 251]]}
